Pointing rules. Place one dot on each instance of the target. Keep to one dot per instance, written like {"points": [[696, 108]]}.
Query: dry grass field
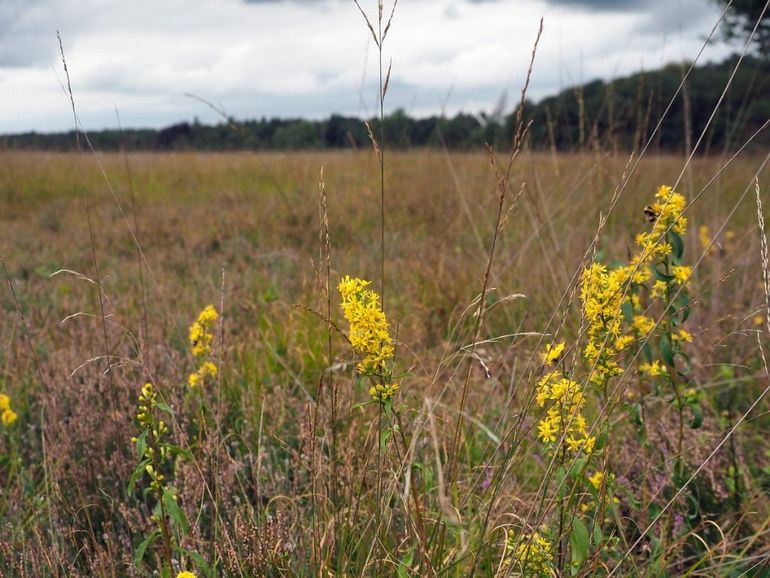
{"points": [[281, 463]]}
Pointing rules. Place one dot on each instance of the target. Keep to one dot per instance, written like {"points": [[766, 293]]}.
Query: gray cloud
{"points": [[20, 23], [604, 5], [312, 57], [28, 29]]}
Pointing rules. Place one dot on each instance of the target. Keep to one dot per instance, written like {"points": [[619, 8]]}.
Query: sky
{"points": [[143, 59]]}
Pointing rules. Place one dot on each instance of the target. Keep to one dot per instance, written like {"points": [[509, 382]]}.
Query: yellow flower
{"points": [[653, 369], [596, 479], [643, 324], [670, 206], [552, 354], [564, 415], [369, 335], [758, 320], [547, 430], [659, 289], [383, 393], [9, 417], [683, 336], [185, 574], [207, 370], [194, 380], [681, 273], [201, 335], [5, 402], [705, 239], [623, 342], [530, 554], [208, 316]]}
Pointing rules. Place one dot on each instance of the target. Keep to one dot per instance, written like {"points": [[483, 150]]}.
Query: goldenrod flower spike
{"points": [[368, 335], [201, 335], [201, 338]]}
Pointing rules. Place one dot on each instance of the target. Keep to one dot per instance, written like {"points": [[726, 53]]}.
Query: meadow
{"points": [[491, 452]]}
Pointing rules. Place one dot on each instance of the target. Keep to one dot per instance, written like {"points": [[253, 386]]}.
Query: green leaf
{"points": [[635, 411], [164, 407], [200, 561], [384, 437], [577, 466], [137, 473], [427, 475], [628, 311], [580, 541], [405, 563], [677, 246], [683, 304], [363, 404], [697, 416], [174, 511], [601, 439], [598, 537], [141, 443], [647, 351], [179, 451], [666, 352], [661, 276], [148, 540]]}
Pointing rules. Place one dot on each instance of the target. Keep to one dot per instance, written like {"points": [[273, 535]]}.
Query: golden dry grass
{"points": [[242, 229]]}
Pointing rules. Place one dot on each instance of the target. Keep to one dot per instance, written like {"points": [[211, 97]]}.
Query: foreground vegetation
{"points": [[582, 406]]}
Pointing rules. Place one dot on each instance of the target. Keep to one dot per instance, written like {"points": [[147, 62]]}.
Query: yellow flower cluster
{"points": [[382, 392], [596, 480], [531, 554], [666, 214], [603, 294], [668, 208], [185, 574], [643, 324], [564, 416], [654, 369], [7, 415], [553, 353], [201, 334], [369, 335], [208, 369], [681, 273], [683, 336], [201, 338]]}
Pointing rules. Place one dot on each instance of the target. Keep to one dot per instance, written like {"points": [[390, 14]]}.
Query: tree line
{"points": [[617, 115]]}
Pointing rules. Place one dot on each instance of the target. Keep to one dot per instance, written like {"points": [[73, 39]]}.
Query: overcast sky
{"points": [[312, 58]]}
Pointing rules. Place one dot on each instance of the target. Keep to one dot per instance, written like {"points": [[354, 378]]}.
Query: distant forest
{"points": [[616, 115]]}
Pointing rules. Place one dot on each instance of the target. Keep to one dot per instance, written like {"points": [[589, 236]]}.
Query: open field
{"points": [[276, 466]]}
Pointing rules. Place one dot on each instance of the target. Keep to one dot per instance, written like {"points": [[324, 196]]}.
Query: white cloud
{"points": [[292, 58]]}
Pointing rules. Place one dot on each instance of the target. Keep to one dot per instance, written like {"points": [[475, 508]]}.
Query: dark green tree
{"points": [[741, 18]]}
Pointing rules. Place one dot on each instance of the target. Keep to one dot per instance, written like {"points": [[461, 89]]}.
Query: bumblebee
{"points": [[651, 214]]}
